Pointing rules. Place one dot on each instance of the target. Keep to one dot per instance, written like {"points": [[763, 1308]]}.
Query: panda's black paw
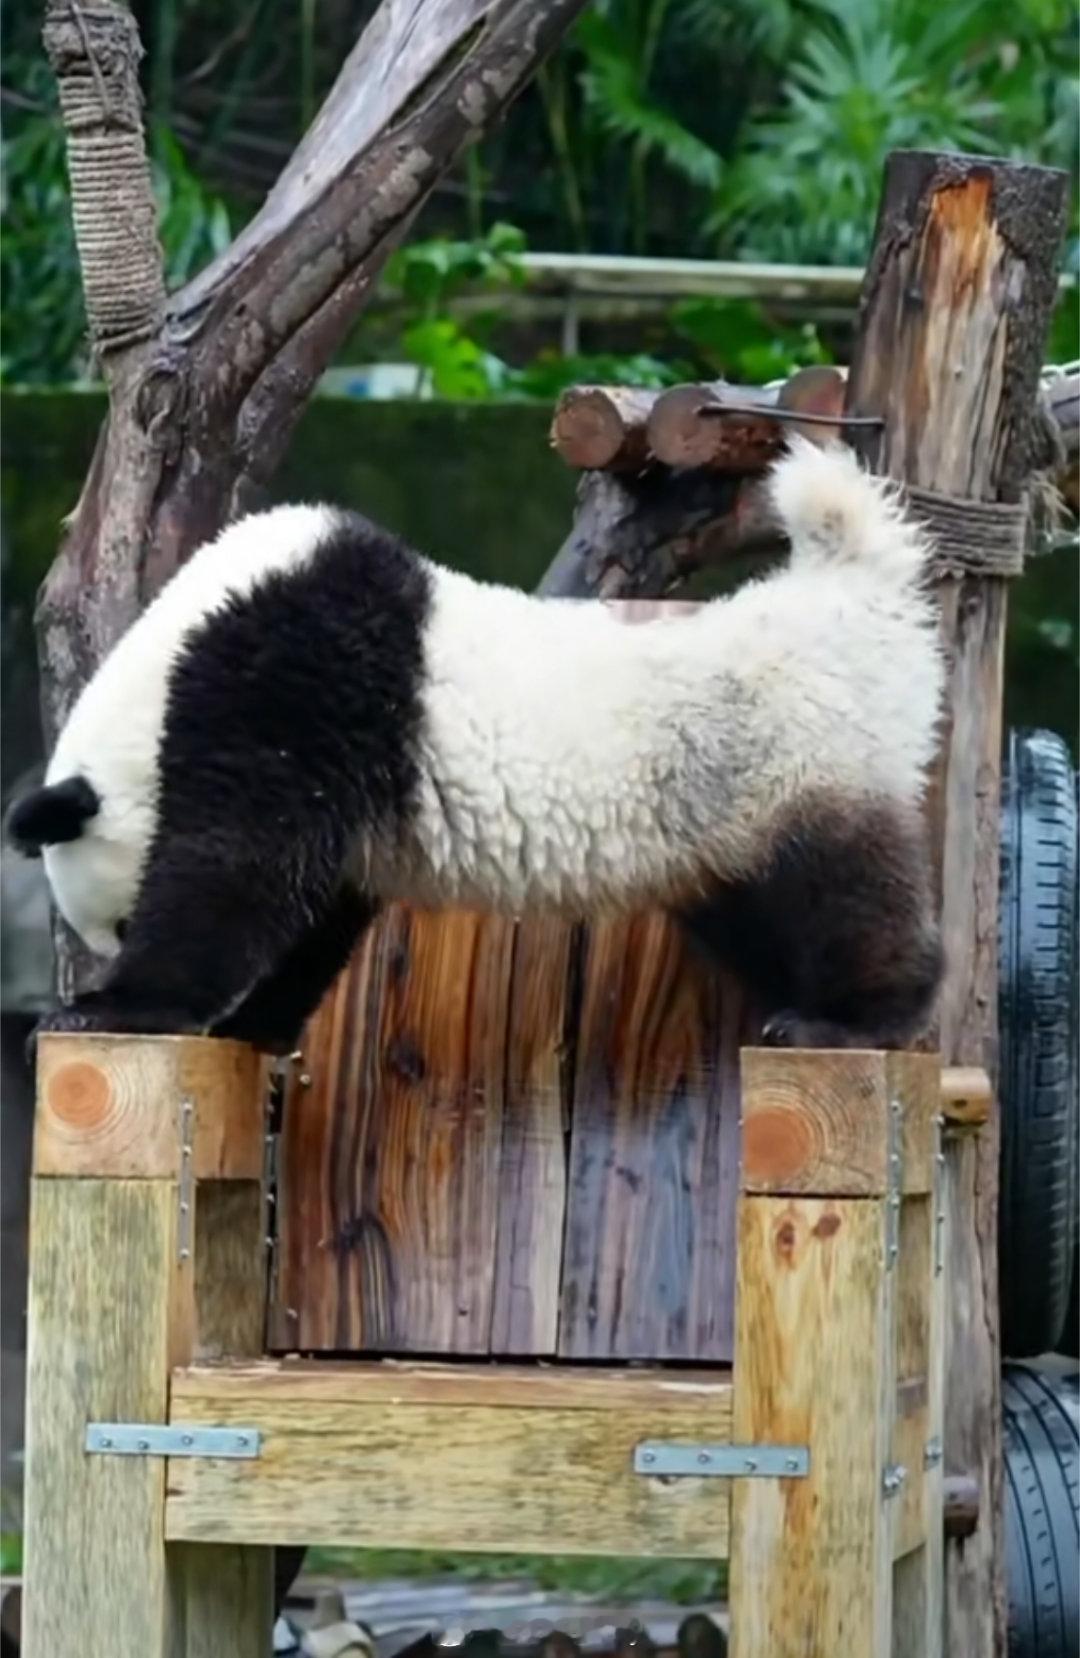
{"points": [[789, 1029], [94, 1014]]}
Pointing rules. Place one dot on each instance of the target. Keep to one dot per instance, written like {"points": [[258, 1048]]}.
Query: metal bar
{"points": [[664, 1459], [172, 1440]]}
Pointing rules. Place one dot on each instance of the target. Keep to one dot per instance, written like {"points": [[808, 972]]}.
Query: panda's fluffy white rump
{"points": [[836, 512]]}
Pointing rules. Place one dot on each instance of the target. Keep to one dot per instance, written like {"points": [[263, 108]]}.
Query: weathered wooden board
{"points": [[463, 1457], [425, 1202], [391, 1144], [811, 1559], [648, 1268]]}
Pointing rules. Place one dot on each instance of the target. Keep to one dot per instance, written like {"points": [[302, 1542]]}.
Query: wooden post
{"points": [[834, 1146], [955, 309], [143, 1150]]}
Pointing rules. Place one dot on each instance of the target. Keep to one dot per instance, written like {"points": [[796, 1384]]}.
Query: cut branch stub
{"points": [[689, 425], [603, 427]]}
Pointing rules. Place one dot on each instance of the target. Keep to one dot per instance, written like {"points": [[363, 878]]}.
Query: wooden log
{"points": [[961, 1496], [691, 426], [955, 308], [603, 427], [114, 1303], [465, 1458]]}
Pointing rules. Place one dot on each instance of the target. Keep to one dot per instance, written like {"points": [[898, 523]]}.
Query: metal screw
{"points": [[646, 1456], [144, 1444], [750, 1463], [304, 1080], [241, 1440], [187, 1439], [105, 1442], [704, 1457], [185, 1254], [792, 1464]]}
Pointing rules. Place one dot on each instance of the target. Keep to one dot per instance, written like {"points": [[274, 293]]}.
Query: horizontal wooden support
{"points": [[966, 1096], [468, 1457], [817, 1123], [116, 1107]]}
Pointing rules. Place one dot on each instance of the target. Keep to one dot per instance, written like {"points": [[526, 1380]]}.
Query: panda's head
{"points": [[90, 868]]}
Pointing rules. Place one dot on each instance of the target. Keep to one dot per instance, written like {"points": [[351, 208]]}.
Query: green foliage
{"points": [[870, 76], [734, 341]]}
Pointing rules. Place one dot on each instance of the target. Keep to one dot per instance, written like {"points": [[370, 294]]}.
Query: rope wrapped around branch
{"points": [[94, 51]]}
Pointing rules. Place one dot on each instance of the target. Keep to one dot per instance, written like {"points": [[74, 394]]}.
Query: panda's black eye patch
{"points": [[121, 931]]}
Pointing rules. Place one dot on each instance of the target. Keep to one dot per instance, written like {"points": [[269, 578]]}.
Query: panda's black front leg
{"points": [[210, 923], [273, 1015]]}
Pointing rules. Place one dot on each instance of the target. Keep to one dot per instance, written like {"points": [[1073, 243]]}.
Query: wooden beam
{"points": [[469, 1457], [955, 309], [966, 1096], [817, 1128], [114, 1302], [603, 427]]}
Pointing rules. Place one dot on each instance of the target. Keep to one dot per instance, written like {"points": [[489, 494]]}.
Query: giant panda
{"points": [[312, 720]]}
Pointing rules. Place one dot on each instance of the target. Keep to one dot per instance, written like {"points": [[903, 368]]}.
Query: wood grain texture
{"points": [[648, 1267], [602, 426], [345, 1463], [228, 1600], [110, 1106], [532, 1165], [955, 308], [106, 1289], [811, 1559], [391, 1151], [915, 1081], [815, 1122]]}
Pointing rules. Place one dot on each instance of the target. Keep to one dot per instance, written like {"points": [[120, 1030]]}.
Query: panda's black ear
{"points": [[51, 814]]}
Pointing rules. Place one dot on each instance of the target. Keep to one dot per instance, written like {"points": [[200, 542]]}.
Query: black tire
{"points": [[1042, 1523], [1037, 1029], [1069, 1344]]}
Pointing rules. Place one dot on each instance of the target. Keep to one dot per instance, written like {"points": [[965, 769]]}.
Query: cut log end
{"points": [[603, 428]]}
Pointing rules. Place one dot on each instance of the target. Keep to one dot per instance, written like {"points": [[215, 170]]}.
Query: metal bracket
{"points": [[134, 1439], [187, 1182], [664, 1459], [892, 1480], [893, 1182], [939, 1198], [933, 1451]]}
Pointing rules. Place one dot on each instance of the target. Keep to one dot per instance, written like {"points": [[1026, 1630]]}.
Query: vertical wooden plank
{"points": [[107, 1293], [536, 1117], [648, 1268], [956, 303], [115, 1303], [391, 1144], [228, 1600], [811, 1559]]}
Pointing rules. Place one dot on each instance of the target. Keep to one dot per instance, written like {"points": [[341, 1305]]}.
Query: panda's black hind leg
{"points": [[836, 938]]}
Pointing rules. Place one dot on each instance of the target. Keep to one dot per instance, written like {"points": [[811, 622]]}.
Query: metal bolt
{"points": [[144, 1444], [241, 1440], [646, 1456], [750, 1464], [704, 1457], [304, 1080], [792, 1465], [185, 1254], [187, 1439], [105, 1442]]}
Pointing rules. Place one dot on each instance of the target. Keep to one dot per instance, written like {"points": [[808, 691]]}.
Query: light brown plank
{"points": [[105, 1290], [811, 1559], [390, 1154], [361, 1383], [648, 1268], [360, 1468], [110, 1106]]}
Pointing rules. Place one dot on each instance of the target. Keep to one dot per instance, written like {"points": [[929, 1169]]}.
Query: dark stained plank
{"points": [[648, 1267], [532, 1178]]}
